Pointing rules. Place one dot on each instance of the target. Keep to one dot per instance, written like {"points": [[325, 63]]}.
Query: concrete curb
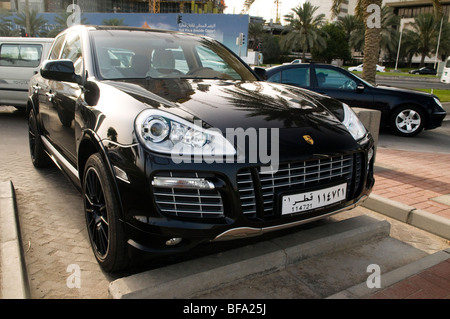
{"points": [[13, 273], [212, 272], [362, 290], [415, 217]]}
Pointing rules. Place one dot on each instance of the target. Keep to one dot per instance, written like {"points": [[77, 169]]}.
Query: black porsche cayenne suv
{"points": [[174, 141]]}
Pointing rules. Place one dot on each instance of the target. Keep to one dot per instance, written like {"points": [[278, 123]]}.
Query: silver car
{"points": [[20, 59]]}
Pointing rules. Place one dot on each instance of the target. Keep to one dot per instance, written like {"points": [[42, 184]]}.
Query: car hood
{"points": [[225, 104]]}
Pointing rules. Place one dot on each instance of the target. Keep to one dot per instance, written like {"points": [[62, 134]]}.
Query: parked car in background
{"points": [[158, 146], [424, 70], [20, 59], [406, 112], [359, 68], [445, 77]]}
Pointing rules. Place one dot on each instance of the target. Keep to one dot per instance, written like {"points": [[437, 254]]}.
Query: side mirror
{"points": [[60, 70], [261, 73]]}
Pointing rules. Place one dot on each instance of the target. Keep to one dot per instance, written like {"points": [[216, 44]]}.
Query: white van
{"points": [[445, 77], [20, 59]]}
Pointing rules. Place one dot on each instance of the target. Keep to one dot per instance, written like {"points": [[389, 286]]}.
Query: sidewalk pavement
{"points": [[414, 187]]}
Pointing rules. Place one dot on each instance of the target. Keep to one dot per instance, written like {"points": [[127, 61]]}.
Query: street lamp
{"points": [[399, 42], [437, 49]]}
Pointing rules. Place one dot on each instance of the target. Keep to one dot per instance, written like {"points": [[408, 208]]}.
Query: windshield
{"points": [[131, 54]]}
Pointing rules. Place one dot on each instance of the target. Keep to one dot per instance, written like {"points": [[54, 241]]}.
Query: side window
{"points": [[56, 49], [333, 79], [20, 55], [296, 76], [72, 51], [275, 77]]}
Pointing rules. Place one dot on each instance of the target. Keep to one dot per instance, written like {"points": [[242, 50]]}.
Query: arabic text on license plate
{"points": [[311, 200]]}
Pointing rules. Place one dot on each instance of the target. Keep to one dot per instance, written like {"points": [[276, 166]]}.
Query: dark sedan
{"points": [[173, 141], [424, 70], [406, 112]]}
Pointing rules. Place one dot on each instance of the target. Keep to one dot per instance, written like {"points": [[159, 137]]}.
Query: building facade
{"points": [[125, 6]]}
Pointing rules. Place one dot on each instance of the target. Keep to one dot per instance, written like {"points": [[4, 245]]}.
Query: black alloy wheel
{"points": [[38, 156], [102, 217]]}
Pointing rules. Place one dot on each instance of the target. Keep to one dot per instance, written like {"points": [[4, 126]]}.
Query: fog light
{"points": [[179, 182], [173, 241]]}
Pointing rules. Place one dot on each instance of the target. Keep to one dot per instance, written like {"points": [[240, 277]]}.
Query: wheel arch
{"points": [[91, 144], [409, 104]]}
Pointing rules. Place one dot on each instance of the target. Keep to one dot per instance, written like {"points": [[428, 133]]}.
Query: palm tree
{"points": [[372, 34], [36, 22], [5, 24], [113, 21], [61, 23], [303, 31], [423, 34], [353, 27]]}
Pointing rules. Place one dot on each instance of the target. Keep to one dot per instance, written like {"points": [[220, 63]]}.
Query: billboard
{"points": [[224, 28]]}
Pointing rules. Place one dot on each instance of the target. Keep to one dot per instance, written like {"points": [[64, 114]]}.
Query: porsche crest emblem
{"points": [[308, 139]]}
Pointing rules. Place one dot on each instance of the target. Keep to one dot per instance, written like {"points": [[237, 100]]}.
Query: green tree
{"points": [[336, 45], [255, 34], [113, 21], [422, 35], [36, 22], [364, 9], [271, 48], [304, 29], [5, 23]]}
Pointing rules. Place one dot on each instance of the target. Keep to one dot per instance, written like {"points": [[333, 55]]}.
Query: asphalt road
{"points": [[435, 141], [412, 83]]}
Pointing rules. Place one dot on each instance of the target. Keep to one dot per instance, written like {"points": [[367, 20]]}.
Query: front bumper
{"points": [[240, 204]]}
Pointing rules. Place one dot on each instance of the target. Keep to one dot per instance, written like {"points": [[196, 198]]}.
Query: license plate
{"points": [[311, 200]]}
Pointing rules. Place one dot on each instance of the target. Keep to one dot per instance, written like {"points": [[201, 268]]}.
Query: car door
{"points": [[62, 99], [338, 84]]}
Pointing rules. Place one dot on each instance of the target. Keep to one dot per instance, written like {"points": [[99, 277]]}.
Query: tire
{"points": [[102, 213], [39, 157], [407, 121]]}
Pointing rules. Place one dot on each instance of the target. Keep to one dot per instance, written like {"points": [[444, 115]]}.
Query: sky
{"points": [[263, 8]]}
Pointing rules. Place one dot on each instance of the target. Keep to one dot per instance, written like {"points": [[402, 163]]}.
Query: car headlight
{"points": [[438, 102], [352, 123], [166, 133]]}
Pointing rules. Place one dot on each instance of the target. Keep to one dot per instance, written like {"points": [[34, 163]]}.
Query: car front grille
{"points": [[257, 190]]}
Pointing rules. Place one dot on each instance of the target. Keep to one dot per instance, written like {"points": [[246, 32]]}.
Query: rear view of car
{"points": [[20, 59]]}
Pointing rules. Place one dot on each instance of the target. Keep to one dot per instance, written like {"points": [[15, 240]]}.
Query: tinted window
{"points": [[20, 55], [276, 77], [333, 79], [297, 76]]}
